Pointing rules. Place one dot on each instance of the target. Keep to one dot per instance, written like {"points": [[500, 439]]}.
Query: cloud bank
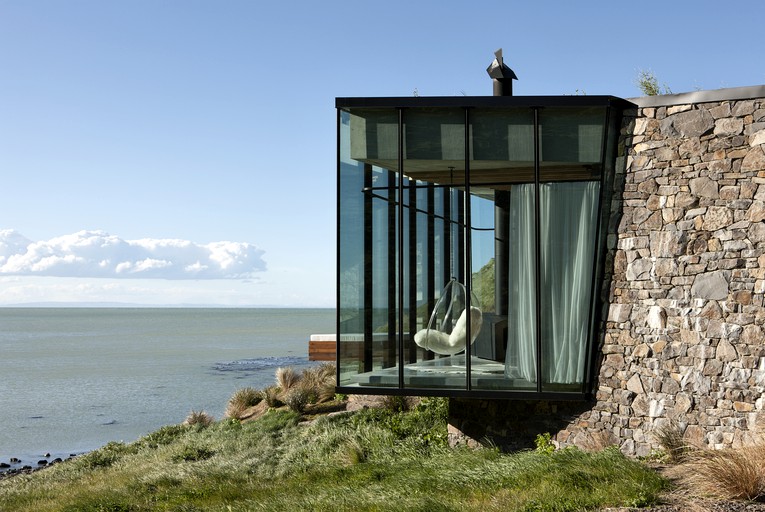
{"points": [[99, 254]]}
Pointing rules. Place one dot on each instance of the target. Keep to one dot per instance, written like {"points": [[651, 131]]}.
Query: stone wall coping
{"points": [[685, 98]]}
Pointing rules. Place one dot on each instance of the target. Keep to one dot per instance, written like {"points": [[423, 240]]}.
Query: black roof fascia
{"points": [[483, 101]]}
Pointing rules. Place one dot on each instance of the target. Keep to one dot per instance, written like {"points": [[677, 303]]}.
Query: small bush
{"points": [[199, 419], [297, 398], [544, 444], [270, 396], [729, 473], [242, 400], [319, 381], [671, 440], [396, 403], [286, 378]]}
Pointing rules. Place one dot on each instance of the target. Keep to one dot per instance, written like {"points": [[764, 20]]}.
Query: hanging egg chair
{"points": [[446, 333]]}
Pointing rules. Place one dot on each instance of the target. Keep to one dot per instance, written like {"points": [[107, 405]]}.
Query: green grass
{"points": [[373, 460]]}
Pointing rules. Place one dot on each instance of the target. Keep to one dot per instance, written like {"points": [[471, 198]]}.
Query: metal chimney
{"points": [[501, 75]]}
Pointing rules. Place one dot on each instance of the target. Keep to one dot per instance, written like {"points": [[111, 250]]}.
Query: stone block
{"points": [[754, 159], [717, 217], [711, 285], [729, 126], [757, 138], [619, 313], [692, 123], [635, 385], [639, 270]]}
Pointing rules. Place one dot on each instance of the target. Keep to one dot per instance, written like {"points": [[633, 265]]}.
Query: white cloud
{"points": [[99, 254]]}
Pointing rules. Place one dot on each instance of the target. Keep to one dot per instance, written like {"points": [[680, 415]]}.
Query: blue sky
{"points": [[183, 152]]}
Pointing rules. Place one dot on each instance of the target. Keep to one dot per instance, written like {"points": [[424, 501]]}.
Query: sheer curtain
{"points": [[568, 222], [521, 321]]}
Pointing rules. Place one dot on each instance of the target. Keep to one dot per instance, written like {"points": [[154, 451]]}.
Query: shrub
{"points": [[671, 440], [242, 400], [297, 398], [286, 378], [199, 419], [270, 395], [395, 403], [729, 473], [648, 84], [544, 444], [319, 381]]}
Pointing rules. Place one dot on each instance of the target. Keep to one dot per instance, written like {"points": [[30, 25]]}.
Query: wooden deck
{"points": [[323, 347]]}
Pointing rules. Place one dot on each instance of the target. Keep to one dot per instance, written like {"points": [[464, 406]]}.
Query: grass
{"points": [[242, 400], [737, 474], [370, 460]]}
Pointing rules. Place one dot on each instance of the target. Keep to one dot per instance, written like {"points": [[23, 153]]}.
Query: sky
{"points": [[182, 152]]}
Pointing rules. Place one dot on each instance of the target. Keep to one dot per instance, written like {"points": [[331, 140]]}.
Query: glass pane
{"points": [[520, 354], [571, 143], [368, 248], [351, 258], [502, 145], [434, 141], [568, 219]]}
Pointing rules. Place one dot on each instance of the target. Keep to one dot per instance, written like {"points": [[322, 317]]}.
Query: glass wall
{"points": [[469, 242]]}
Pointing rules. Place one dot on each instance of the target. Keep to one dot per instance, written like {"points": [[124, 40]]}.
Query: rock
{"points": [[4, 465], [619, 313], [693, 123], [640, 405], [717, 217], [757, 138], [729, 126], [668, 244], [704, 187], [712, 285], [635, 385], [756, 212], [657, 318], [754, 160], [639, 270]]}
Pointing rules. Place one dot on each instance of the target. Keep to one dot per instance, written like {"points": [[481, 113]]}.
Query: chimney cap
{"points": [[498, 70]]}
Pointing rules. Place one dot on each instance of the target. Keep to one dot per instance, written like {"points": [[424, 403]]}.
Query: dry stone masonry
{"points": [[683, 345]]}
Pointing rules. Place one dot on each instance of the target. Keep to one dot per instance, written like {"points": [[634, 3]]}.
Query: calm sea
{"points": [[73, 379]]}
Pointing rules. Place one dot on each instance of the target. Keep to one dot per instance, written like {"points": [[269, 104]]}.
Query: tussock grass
{"points": [[199, 418], [727, 474], [242, 400], [370, 460], [670, 438], [287, 378]]}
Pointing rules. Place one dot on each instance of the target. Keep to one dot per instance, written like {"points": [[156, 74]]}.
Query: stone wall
{"points": [[683, 342]]}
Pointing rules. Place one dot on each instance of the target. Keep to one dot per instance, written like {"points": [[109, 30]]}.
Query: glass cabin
{"points": [[471, 240]]}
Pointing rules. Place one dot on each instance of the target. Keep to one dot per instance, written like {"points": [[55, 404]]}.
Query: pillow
{"points": [[450, 344]]}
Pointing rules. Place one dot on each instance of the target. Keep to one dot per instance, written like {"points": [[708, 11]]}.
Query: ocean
{"points": [[73, 379]]}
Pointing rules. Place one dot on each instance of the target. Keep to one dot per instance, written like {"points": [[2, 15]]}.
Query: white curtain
{"points": [[568, 224], [521, 322]]}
